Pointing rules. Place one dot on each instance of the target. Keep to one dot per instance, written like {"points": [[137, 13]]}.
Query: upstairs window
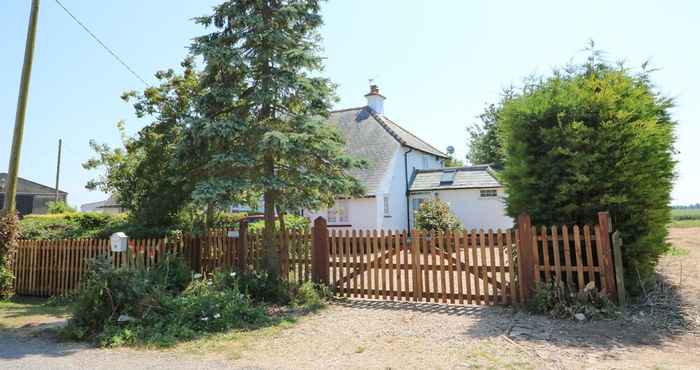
{"points": [[488, 193], [387, 209], [426, 162]]}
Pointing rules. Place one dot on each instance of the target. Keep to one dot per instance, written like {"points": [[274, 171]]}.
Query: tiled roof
{"points": [[374, 138], [471, 177], [406, 138], [365, 139]]}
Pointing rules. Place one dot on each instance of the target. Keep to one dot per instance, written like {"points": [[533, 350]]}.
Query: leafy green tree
{"points": [[435, 215], [591, 138], [451, 161], [261, 128], [484, 143], [143, 175]]}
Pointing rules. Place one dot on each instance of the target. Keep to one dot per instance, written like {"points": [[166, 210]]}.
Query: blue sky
{"points": [[437, 62]]}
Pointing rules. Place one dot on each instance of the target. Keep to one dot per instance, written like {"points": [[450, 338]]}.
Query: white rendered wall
{"points": [[473, 211], [394, 185], [361, 215], [368, 213]]}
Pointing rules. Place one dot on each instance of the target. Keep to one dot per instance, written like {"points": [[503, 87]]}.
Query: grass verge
{"points": [[685, 223], [23, 311]]}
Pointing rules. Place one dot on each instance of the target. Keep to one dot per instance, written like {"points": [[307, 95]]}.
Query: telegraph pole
{"points": [[58, 169], [10, 201]]}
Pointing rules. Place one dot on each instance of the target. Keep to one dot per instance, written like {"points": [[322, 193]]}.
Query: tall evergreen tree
{"points": [[262, 109]]}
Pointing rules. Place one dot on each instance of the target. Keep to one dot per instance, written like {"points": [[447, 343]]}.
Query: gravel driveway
{"points": [[29, 352]]}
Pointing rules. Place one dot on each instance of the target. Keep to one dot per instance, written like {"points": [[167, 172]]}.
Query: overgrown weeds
{"points": [[564, 302], [165, 305]]}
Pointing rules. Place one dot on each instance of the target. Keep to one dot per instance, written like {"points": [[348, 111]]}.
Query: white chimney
{"points": [[375, 100]]}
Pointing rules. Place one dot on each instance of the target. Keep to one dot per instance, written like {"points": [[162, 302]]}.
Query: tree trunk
{"points": [[210, 217], [270, 252], [284, 246]]}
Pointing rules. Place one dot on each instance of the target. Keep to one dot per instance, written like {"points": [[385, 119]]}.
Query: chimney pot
{"points": [[375, 100]]}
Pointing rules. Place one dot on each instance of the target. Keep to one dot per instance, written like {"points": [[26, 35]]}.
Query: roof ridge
{"points": [[35, 183], [484, 167], [346, 109], [414, 135], [381, 122]]}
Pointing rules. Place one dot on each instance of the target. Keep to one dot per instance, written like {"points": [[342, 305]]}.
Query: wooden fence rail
{"points": [[474, 267]]}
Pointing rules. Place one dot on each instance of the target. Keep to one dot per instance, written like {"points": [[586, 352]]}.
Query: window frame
{"points": [[386, 203], [339, 212], [488, 193]]}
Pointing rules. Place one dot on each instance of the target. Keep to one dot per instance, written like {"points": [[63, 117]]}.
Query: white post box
{"points": [[119, 242]]}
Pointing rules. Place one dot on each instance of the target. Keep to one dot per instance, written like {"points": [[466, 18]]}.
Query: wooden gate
{"points": [[465, 267]]}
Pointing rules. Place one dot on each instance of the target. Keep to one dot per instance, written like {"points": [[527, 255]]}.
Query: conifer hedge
{"points": [[593, 138]]}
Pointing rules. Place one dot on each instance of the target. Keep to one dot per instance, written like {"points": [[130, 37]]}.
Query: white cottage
{"points": [[401, 168]]}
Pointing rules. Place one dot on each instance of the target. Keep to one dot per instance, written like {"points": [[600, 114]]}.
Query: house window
{"points": [[339, 212], [488, 193], [387, 210], [426, 162]]}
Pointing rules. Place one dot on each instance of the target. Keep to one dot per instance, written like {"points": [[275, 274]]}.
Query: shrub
{"points": [[588, 139], [310, 296], [7, 280], [563, 302], [435, 215], [88, 225], [228, 219], [161, 306], [260, 286], [110, 293], [292, 223], [60, 207], [9, 231]]}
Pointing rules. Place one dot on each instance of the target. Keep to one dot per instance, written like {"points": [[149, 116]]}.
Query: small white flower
{"points": [[216, 316], [233, 274], [209, 282], [204, 318], [197, 276]]}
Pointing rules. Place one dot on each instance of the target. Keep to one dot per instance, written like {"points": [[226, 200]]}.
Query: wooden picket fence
{"points": [[475, 267], [55, 267], [472, 267]]}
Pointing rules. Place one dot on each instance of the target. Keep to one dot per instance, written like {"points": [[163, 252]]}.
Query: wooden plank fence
{"points": [[463, 267], [466, 267]]}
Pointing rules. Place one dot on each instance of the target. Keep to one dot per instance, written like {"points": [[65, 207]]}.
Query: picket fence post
{"points": [[243, 246], [320, 265], [526, 260], [606, 249]]}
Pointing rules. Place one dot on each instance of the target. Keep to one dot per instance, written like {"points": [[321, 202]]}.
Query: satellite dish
{"points": [[450, 150]]}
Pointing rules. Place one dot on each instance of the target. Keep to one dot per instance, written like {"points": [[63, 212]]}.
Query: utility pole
{"points": [[10, 201], [58, 169]]}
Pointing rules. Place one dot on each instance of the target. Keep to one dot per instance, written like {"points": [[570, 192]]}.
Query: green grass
{"points": [[685, 223], [21, 311], [233, 343], [677, 251], [685, 214]]}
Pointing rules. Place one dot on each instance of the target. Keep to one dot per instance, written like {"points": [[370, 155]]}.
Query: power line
{"points": [[122, 62]]}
